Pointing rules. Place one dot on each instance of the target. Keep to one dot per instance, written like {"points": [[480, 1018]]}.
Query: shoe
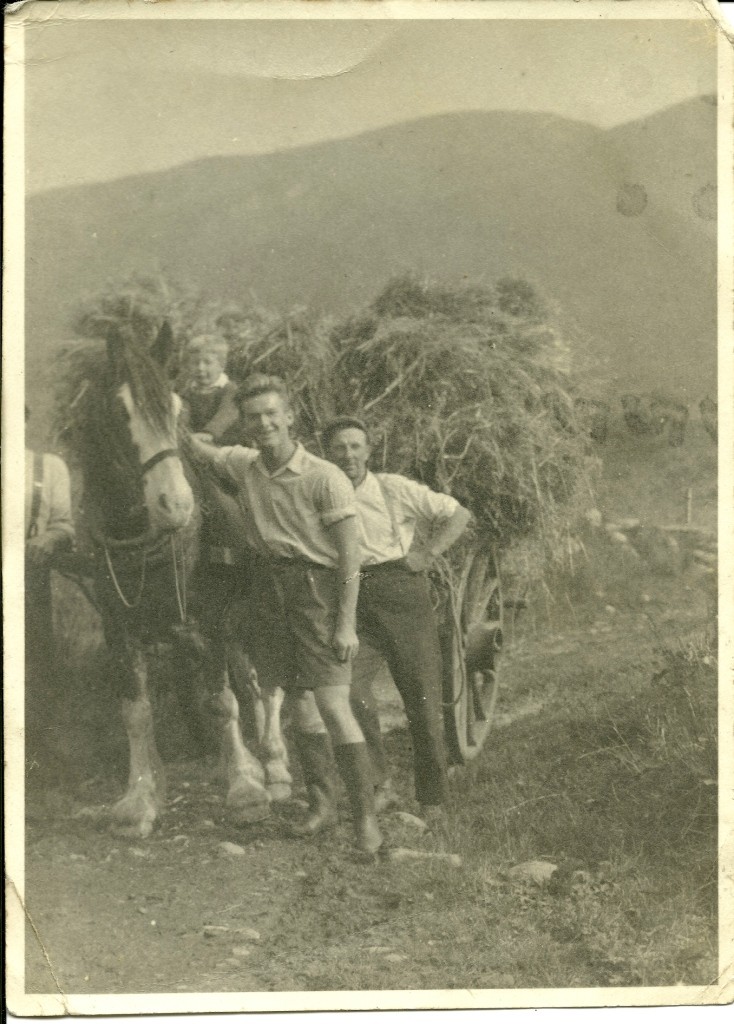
{"points": [[317, 763], [386, 796], [354, 766]]}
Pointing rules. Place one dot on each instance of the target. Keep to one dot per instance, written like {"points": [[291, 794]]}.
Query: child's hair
{"points": [[262, 384], [213, 343]]}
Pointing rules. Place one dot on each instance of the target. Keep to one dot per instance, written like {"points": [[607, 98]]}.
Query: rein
{"points": [[179, 577], [142, 541]]}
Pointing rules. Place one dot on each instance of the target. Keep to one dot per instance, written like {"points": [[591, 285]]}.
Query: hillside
{"points": [[474, 195]]}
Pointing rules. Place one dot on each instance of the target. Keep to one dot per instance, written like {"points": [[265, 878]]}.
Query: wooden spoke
{"points": [[472, 641]]}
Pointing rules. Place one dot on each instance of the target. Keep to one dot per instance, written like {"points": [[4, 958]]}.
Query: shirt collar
{"points": [[221, 382], [369, 481], [294, 465]]}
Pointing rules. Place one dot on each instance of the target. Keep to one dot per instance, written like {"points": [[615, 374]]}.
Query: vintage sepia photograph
{"points": [[362, 609]]}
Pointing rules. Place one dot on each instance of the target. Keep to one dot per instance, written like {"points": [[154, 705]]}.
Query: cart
{"points": [[470, 608]]}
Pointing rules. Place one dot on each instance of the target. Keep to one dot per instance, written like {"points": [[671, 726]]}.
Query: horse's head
{"points": [[142, 404]]}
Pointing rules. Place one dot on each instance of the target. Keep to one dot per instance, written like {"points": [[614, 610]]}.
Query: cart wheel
{"points": [[470, 656]]}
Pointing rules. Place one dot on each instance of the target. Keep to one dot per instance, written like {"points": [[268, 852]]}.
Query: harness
{"points": [[37, 494], [164, 453], [179, 574]]}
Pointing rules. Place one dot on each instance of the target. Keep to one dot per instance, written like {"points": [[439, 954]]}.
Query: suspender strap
{"points": [[37, 491], [390, 510]]}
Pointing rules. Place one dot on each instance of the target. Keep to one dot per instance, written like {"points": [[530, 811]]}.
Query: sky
{"points": [[106, 99]]}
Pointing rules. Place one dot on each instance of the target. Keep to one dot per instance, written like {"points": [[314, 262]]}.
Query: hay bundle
{"points": [[297, 347], [467, 390]]}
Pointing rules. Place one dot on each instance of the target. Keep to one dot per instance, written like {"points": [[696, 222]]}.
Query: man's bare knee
{"points": [[335, 709], [305, 711]]}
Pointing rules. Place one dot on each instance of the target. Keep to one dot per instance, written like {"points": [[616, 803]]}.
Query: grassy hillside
{"points": [[466, 195]]}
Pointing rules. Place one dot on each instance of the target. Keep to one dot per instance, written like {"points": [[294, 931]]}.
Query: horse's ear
{"points": [[162, 348]]}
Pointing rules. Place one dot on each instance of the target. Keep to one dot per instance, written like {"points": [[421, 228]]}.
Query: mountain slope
{"points": [[468, 194]]}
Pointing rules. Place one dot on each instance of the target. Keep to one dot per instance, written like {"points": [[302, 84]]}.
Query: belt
{"points": [[395, 563], [273, 562]]}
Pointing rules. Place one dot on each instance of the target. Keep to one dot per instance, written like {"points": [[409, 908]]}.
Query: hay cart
{"points": [[470, 607]]}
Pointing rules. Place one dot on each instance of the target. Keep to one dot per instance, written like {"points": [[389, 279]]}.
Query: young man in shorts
{"points": [[299, 520]]}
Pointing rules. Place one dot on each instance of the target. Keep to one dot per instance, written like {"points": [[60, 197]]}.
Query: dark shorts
{"points": [[292, 616]]}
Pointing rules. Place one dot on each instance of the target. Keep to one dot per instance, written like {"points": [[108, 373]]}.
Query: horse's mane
{"points": [[86, 379]]}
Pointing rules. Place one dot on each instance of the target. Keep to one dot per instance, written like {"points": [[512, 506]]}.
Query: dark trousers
{"points": [[395, 615]]}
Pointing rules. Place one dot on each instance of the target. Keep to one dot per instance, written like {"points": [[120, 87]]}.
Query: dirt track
{"points": [[116, 915]]}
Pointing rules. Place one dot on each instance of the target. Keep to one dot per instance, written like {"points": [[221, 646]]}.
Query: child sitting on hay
{"points": [[209, 394]]}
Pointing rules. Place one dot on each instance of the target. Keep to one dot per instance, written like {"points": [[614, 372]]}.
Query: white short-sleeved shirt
{"points": [[54, 510], [390, 509], [286, 513]]}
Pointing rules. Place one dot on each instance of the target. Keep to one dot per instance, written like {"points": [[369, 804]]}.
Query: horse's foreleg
{"points": [[275, 755], [247, 797], [136, 812]]}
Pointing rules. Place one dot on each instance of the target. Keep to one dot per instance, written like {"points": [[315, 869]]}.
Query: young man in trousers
{"points": [[299, 519], [394, 613]]}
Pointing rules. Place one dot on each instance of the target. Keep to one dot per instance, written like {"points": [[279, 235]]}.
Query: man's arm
{"points": [[344, 533], [205, 451], [443, 535]]}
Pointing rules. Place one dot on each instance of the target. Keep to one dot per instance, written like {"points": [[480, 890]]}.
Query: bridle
{"points": [[164, 453], [142, 542]]}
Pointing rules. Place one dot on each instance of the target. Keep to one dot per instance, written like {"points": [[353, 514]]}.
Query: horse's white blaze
{"points": [[168, 496]]}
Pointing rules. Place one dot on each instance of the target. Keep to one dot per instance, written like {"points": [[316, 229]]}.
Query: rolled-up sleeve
{"points": [[334, 498]]}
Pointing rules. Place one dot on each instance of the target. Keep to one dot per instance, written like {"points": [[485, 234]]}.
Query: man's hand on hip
{"points": [[418, 559]]}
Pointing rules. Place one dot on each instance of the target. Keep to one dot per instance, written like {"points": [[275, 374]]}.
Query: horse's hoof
{"points": [[278, 781], [247, 803], [279, 792], [249, 814]]}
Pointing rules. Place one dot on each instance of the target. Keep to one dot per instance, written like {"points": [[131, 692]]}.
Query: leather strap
{"points": [[390, 511], [164, 453], [37, 492]]}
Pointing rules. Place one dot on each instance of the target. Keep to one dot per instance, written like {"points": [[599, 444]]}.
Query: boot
{"points": [[317, 763], [369, 723], [354, 766]]}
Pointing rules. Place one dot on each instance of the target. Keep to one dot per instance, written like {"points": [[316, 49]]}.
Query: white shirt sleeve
{"points": [[57, 486], [230, 457], [336, 499], [429, 506]]}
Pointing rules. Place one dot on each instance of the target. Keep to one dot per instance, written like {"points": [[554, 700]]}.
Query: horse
{"points": [[673, 415], [653, 413], [142, 509], [638, 415]]}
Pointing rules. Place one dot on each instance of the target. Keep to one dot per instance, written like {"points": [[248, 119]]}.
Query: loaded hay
{"points": [[465, 387], [468, 390]]}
